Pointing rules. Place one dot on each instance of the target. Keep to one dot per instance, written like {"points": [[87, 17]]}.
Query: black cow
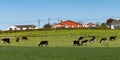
{"points": [[43, 43], [84, 42], [17, 39], [24, 38], [112, 38], [103, 39], [76, 43], [80, 38], [6, 40], [92, 39]]}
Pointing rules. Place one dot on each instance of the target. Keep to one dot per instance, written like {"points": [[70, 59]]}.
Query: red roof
{"points": [[69, 23], [72, 22]]}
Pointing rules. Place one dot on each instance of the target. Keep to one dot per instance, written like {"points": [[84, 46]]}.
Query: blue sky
{"points": [[29, 11]]}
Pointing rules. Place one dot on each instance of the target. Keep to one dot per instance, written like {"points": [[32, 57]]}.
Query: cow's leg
{"points": [[2, 42]]}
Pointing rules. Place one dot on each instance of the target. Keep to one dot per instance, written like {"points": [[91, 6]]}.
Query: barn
{"points": [[67, 24], [21, 27]]}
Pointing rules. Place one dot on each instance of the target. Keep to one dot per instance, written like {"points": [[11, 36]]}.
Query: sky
{"points": [[19, 12]]}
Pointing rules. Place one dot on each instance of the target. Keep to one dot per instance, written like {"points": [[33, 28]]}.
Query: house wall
{"points": [[90, 26], [13, 28], [112, 27], [58, 25]]}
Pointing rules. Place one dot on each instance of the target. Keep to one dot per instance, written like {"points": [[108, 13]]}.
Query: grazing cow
{"points": [[84, 42], [6, 40], [103, 39], [92, 39], [76, 42], [43, 43], [24, 38], [17, 39], [112, 38], [80, 38]]}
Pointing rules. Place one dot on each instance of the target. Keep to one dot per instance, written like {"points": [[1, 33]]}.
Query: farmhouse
{"points": [[22, 27], [67, 24], [90, 25], [114, 24]]}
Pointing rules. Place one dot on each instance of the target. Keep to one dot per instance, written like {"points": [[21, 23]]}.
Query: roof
{"points": [[64, 23], [72, 22], [21, 26], [115, 22], [90, 24]]}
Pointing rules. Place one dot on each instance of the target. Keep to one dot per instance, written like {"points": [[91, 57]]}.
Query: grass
{"points": [[58, 53], [99, 33], [63, 38], [60, 46]]}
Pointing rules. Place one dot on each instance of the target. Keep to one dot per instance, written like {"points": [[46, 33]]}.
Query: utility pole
{"points": [[38, 23], [48, 20], [58, 20]]}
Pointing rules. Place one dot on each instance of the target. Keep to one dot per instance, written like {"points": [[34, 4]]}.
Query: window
{"points": [[15, 28], [10, 29]]}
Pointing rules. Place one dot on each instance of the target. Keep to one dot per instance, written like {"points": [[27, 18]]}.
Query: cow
{"points": [[112, 38], [17, 39], [43, 43], [6, 40], [103, 39], [24, 38], [84, 42], [92, 39], [80, 38], [76, 43]]}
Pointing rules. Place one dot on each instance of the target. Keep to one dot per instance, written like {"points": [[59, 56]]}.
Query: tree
{"points": [[47, 26], [109, 21], [103, 26]]}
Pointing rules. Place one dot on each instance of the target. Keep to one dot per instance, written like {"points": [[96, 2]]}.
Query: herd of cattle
{"points": [[7, 40], [80, 41], [93, 39]]}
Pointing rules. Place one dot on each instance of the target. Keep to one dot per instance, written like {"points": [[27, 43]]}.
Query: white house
{"points": [[114, 24], [21, 27]]}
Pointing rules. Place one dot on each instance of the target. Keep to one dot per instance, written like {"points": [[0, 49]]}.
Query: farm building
{"points": [[68, 24], [22, 27], [114, 24], [90, 25]]}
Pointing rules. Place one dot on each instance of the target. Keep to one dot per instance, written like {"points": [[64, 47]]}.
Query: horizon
{"points": [[19, 12]]}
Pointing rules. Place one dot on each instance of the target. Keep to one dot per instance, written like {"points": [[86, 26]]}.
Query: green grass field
{"points": [[58, 53], [63, 38], [61, 46]]}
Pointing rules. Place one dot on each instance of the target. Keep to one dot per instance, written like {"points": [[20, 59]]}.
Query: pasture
{"points": [[63, 38], [60, 46]]}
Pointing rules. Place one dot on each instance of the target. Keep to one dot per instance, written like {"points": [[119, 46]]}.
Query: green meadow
{"points": [[63, 38], [61, 45]]}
